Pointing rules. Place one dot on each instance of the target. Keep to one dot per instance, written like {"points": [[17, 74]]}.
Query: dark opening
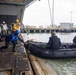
{"points": [[42, 31], [37, 31], [23, 73], [8, 19], [31, 31], [47, 31]]}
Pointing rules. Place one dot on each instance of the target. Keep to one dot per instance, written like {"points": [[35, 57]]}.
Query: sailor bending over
{"points": [[11, 38]]}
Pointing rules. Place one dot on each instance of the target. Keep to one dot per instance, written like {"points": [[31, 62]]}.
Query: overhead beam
{"points": [[25, 3]]}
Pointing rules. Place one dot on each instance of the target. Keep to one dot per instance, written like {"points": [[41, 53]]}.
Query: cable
{"points": [[50, 10]]}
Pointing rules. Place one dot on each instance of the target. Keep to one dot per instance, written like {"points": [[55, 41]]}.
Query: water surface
{"points": [[60, 66]]}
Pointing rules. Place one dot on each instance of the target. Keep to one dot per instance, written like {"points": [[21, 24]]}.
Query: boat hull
{"points": [[39, 49]]}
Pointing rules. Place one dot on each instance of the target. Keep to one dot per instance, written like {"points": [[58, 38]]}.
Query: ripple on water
{"points": [[63, 66]]}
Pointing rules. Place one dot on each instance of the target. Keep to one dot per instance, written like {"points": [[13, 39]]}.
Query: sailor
{"points": [[4, 28], [11, 38], [54, 42], [74, 40], [16, 26]]}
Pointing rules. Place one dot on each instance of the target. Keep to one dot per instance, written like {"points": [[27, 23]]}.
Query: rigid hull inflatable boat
{"points": [[39, 49]]}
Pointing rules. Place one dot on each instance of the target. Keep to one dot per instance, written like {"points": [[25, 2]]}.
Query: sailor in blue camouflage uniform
{"points": [[13, 37]]}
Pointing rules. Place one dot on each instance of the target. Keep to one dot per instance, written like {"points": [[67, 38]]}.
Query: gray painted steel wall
{"points": [[14, 9]]}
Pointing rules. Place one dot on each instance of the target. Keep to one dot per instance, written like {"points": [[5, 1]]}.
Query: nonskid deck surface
{"points": [[17, 63], [12, 63]]}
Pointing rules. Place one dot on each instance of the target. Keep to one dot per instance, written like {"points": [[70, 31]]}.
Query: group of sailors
{"points": [[4, 27], [12, 37], [54, 42]]}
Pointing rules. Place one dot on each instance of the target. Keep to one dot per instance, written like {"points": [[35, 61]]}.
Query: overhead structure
{"points": [[13, 9]]}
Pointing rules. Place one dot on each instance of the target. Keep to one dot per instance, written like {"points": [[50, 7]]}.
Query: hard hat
{"points": [[17, 32], [16, 20], [3, 22]]}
